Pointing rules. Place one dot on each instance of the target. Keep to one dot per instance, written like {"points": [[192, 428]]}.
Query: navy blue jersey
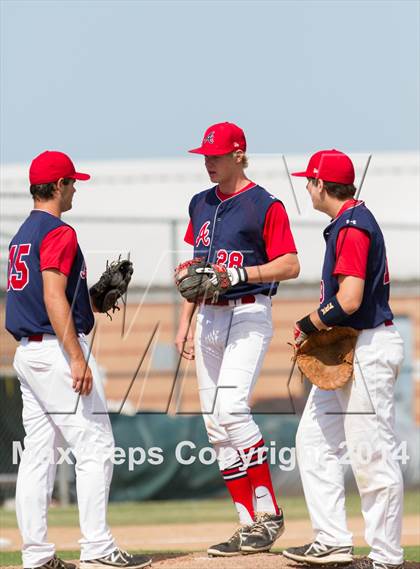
{"points": [[374, 309], [26, 314], [230, 232]]}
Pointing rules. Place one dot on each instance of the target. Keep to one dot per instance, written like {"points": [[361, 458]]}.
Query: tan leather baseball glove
{"points": [[326, 357]]}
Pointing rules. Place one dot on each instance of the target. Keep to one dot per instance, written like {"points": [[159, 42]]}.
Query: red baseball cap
{"points": [[50, 166], [221, 138], [329, 165]]}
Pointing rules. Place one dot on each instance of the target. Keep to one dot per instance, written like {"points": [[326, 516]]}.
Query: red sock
{"points": [[260, 478], [239, 486]]}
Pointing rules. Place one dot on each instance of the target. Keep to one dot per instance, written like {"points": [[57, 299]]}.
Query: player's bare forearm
{"points": [[280, 269], [60, 316], [59, 311], [184, 340], [349, 295], [187, 310]]}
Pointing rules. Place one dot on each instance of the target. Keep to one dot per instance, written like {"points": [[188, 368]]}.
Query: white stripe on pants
{"points": [[356, 422], [49, 418]]}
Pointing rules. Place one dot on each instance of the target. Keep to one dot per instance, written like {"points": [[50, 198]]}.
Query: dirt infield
{"points": [[259, 561], [198, 536], [193, 539]]}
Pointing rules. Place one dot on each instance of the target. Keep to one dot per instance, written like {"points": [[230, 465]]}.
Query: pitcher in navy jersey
{"points": [[48, 310], [355, 422], [239, 224]]}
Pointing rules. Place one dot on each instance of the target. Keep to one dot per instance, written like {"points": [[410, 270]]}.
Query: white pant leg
{"points": [[35, 480], [320, 449], [369, 428], [230, 346], [366, 424], [84, 425], [208, 359], [247, 339]]}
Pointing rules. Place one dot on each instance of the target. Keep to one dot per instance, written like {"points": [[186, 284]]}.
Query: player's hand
{"points": [[82, 376], [184, 343], [298, 335]]}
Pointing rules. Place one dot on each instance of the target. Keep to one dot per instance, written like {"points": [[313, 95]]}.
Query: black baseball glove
{"points": [[111, 286]]}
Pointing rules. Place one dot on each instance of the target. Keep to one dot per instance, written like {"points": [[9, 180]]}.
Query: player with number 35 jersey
{"points": [[237, 223], [43, 242], [48, 310]]}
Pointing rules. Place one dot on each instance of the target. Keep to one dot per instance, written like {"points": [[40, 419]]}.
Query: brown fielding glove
{"points": [[210, 280], [111, 286], [326, 357]]}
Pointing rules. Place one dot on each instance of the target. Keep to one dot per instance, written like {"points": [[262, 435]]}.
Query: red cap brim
{"points": [[301, 174], [81, 176], [209, 152]]}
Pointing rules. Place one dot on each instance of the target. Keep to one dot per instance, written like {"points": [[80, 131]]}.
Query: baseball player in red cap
{"points": [[356, 421], [48, 310], [239, 224]]}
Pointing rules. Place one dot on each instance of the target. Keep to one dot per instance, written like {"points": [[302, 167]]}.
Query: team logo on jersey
{"points": [[209, 138], [203, 235]]}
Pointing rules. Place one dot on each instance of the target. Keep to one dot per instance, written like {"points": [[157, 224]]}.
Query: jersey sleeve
{"points": [[277, 234], [189, 234], [58, 249], [352, 251]]}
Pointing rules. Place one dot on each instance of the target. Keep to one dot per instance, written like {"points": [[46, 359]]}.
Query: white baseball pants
{"points": [[356, 424], [230, 345], [51, 420]]}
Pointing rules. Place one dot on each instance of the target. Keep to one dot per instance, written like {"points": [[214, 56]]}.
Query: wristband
{"points": [[306, 325], [237, 275], [331, 313], [243, 275]]}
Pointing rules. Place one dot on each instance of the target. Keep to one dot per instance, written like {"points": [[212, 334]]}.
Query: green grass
{"points": [[411, 553], [191, 511]]}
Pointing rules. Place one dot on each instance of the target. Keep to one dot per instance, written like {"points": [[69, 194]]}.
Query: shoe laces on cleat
{"points": [[239, 532], [264, 522], [234, 536], [261, 517], [259, 528]]}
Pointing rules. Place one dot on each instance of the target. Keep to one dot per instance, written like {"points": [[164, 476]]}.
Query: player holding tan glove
{"points": [[355, 421]]}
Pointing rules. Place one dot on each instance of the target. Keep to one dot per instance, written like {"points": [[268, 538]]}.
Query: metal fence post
{"points": [[63, 481]]}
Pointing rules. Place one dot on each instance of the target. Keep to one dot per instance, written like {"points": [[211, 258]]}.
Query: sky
{"points": [[106, 80]]}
